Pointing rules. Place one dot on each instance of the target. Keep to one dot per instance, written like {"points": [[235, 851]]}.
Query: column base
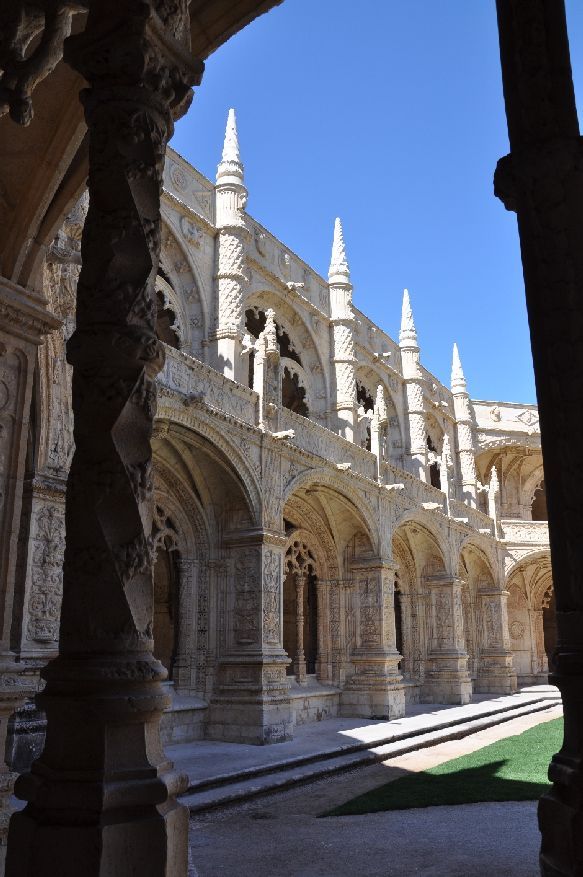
{"points": [[252, 704], [376, 691], [152, 844], [101, 797], [447, 680], [496, 675]]}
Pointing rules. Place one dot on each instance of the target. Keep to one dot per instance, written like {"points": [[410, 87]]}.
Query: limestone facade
{"points": [[336, 531]]}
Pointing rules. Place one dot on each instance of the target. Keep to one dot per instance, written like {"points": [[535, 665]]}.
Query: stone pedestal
{"points": [[252, 703], [447, 679], [376, 690], [15, 686]]}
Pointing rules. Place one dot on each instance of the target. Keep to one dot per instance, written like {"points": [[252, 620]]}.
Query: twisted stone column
{"points": [[101, 796], [542, 180]]}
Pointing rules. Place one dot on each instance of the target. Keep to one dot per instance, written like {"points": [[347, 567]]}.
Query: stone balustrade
{"points": [[201, 384], [315, 439], [419, 491], [534, 532], [476, 519]]}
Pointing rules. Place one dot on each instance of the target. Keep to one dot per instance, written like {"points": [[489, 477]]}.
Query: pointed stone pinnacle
{"points": [[230, 164], [338, 271], [408, 333], [458, 381]]}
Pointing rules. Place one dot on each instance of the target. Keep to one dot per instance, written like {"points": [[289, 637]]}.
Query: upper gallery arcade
{"points": [[336, 531]]}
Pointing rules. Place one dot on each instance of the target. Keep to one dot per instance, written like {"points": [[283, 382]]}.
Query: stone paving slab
{"points": [[474, 840]]}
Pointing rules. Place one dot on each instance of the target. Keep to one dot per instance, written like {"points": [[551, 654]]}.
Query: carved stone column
{"points": [[542, 180], [251, 703], [496, 673], [323, 657], [300, 658], [266, 374], [102, 793], [447, 679], [376, 689]]}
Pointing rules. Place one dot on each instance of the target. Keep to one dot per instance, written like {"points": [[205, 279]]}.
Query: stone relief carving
{"points": [[247, 604], [44, 602], [272, 584]]}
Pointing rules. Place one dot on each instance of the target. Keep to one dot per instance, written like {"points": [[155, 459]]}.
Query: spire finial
{"points": [[338, 271], [458, 381], [408, 331], [230, 164]]}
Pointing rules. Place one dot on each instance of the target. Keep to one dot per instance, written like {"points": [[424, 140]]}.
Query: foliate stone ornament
{"points": [[191, 232], [247, 598], [44, 602], [32, 46], [272, 584], [517, 629]]}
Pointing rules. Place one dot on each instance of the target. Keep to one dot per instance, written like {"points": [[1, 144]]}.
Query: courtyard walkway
{"points": [[221, 773], [282, 835]]}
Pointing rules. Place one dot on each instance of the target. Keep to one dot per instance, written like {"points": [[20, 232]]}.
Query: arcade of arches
{"points": [[314, 551]]}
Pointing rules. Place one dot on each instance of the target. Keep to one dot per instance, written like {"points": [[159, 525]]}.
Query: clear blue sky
{"points": [[392, 119]]}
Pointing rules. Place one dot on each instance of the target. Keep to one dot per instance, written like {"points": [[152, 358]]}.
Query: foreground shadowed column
{"points": [[542, 180], [101, 796]]}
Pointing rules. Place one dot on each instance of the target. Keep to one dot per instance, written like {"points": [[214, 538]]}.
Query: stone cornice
{"points": [[24, 313]]}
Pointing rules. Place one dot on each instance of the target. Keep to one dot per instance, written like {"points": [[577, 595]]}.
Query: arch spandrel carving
{"points": [[190, 299]]}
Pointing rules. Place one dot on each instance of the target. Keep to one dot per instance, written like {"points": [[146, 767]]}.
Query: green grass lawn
{"points": [[513, 769]]}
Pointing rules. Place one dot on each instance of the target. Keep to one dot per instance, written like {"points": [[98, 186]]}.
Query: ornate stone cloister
{"points": [[329, 529], [335, 531]]}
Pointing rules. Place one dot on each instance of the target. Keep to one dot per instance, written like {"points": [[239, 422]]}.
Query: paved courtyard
{"points": [[282, 835]]}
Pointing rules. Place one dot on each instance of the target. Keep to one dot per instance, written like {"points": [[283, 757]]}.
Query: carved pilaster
{"points": [[495, 671], [104, 694], [447, 679], [376, 689], [251, 700]]}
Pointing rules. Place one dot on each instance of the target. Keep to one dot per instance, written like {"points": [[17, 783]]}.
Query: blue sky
{"points": [[393, 120]]}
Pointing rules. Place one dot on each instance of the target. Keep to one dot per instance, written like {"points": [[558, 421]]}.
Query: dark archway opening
{"points": [[365, 400], [398, 621], [300, 577], [165, 320], [293, 394], [434, 473], [539, 503]]}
